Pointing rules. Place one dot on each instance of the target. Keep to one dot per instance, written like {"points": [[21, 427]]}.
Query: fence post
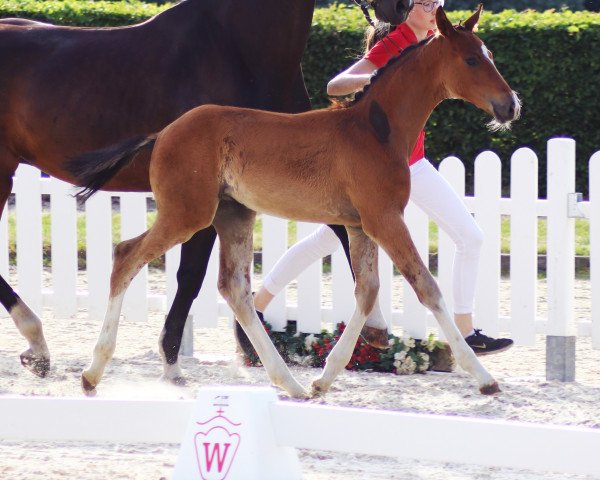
{"points": [[133, 223], [342, 288], [453, 170], [29, 236], [595, 246], [205, 308], [523, 245], [487, 213], [560, 338], [386, 278], [63, 208], [414, 316], [309, 289], [98, 252], [274, 245]]}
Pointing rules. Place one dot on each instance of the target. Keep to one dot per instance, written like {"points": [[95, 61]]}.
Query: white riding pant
{"points": [[432, 194]]}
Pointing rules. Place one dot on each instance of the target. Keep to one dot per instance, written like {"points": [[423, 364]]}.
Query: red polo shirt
{"points": [[387, 48]]}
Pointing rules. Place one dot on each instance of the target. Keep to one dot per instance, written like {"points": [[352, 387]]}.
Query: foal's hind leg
{"points": [[37, 357], [393, 235], [375, 331], [234, 224], [364, 260], [130, 257], [195, 254]]}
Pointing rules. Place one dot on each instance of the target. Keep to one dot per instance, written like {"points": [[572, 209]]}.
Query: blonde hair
{"points": [[376, 33]]}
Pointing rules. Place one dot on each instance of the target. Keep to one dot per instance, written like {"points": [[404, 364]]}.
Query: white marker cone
{"points": [[230, 436]]}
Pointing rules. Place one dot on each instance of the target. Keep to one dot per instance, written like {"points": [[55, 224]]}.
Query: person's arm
{"points": [[352, 79]]}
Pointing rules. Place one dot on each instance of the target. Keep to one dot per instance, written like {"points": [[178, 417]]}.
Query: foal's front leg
{"points": [[234, 224], [364, 261], [393, 235]]}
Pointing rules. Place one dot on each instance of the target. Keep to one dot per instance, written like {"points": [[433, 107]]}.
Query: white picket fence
{"points": [[523, 206]]}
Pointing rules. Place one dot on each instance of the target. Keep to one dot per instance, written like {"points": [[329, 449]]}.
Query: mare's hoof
{"points": [[490, 389], [375, 337], [178, 381], [88, 389], [38, 365]]}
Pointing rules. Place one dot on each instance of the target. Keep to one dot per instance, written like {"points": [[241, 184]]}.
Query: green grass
{"points": [[582, 236]]}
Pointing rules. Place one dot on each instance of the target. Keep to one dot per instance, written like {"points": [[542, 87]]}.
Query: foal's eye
{"points": [[471, 61]]}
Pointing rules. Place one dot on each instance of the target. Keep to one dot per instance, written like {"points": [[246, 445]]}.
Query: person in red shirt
{"points": [[429, 191]]}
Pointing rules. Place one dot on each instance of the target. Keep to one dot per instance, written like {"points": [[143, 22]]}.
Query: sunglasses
{"points": [[430, 5]]}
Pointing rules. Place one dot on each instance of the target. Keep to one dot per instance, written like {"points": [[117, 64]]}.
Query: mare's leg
{"points": [[195, 254], [391, 233], [37, 357], [375, 331], [129, 258], [364, 259], [234, 224]]}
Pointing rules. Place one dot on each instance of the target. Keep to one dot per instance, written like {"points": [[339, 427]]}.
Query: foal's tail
{"points": [[92, 170]]}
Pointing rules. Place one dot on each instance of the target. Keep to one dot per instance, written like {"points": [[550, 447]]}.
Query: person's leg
{"points": [[319, 244], [434, 195]]}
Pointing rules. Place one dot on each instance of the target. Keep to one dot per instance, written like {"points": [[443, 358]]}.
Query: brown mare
{"points": [[67, 90], [219, 165]]}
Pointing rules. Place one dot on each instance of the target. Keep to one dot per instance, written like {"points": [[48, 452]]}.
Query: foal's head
{"points": [[470, 73]]}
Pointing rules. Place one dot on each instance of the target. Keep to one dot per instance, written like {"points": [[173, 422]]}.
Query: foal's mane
{"points": [[348, 102]]}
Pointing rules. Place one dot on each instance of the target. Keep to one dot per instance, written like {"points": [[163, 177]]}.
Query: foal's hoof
{"points": [[36, 364], [375, 337], [88, 389], [317, 389], [490, 389]]}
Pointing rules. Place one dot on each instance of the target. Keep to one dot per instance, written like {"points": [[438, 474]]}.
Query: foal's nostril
{"points": [[511, 110]]}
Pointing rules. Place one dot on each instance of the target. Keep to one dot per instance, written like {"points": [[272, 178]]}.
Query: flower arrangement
{"points": [[403, 357]]}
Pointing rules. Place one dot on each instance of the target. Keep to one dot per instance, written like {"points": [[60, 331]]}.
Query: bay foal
{"points": [[219, 165], [66, 90]]}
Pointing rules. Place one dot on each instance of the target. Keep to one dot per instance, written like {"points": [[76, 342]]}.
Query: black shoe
{"points": [[243, 342], [484, 345]]}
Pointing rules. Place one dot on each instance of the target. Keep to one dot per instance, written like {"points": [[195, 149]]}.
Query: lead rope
{"points": [[364, 6]]}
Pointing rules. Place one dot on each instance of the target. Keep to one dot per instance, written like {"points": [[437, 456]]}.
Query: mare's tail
{"points": [[93, 170]]}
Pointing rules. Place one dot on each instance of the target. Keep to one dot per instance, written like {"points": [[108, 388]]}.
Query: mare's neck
{"points": [[408, 92]]}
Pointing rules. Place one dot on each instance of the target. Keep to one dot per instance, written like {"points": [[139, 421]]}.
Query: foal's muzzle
{"points": [[392, 11], [507, 110]]}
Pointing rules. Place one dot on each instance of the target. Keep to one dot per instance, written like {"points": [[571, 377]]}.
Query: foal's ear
{"points": [[472, 22], [444, 25]]}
